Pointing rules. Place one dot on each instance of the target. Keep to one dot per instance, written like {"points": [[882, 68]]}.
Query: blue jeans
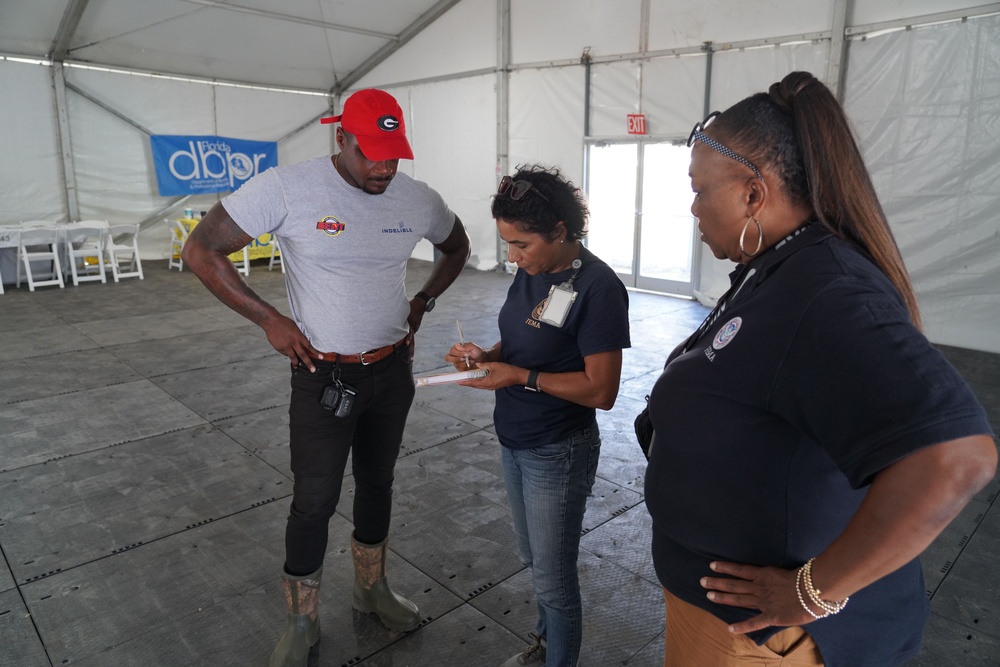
{"points": [[547, 488]]}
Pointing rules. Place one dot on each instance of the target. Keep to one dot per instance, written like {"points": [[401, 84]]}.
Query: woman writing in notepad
{"points": [[558, 359]]}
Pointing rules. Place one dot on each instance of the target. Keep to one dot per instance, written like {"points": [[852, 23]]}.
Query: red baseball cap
{"points": [[374, 117]]}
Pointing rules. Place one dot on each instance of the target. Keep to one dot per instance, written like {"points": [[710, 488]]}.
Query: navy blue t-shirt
{"points": [[770, 426], [597, 322]]}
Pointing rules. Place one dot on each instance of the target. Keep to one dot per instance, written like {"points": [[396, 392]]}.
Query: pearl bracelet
{"points": [[798, 592], [803, 580]]}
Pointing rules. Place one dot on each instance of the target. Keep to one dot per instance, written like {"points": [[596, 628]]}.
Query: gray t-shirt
{"points": [[344, 250]]}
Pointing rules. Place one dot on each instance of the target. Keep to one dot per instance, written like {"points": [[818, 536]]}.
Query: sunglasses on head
{"points": [[698, 134], [517, 189]]}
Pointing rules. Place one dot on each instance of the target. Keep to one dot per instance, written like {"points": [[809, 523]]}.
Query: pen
{"points": [[461, 339]]}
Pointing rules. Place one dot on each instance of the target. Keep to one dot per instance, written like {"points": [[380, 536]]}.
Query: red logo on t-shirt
{"points": [[331, 226]]}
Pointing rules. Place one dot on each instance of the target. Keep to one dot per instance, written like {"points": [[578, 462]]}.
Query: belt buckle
{"points": [[362, 356]]}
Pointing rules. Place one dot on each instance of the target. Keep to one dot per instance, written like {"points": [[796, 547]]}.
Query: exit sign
{"points": [[636, 123]]}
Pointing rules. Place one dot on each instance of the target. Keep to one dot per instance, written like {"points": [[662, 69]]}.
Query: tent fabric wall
{"points": [[112, 159], [450, 127], [546, 120], [30, 169], [924, 102]]}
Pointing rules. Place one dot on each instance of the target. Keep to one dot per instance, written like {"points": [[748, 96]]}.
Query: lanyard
{"points": [[720, 307], [746, 272]]}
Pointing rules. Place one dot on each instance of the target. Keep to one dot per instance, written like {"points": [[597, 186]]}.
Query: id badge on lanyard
{"points": [[560, 299]]}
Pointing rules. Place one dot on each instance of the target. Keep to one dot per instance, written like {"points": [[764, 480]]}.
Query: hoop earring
{"points": [[760, 237]]}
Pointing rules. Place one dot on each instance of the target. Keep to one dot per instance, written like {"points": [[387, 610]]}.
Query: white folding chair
{"points": [[37, 245], [85, 249], [178, 237], [124, 240], [275, 255], [243, 265]]}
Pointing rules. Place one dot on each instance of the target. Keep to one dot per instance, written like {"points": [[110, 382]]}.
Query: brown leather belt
{"points": [[369, 356]]}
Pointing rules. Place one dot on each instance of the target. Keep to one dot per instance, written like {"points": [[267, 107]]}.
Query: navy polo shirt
{"points": [[771, 425], [597, 322]]}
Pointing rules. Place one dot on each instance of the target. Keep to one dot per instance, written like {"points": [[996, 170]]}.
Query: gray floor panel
{"points": [[970, 594], [165, 356], [664, 331], [102, 502], [265, 433], [622, 461], [511, 603], [637, 362], [144, 532], [6, 576], [19, 642], [235, 389], [44, 429], [148, 327], [42, 341], [943, 553], [626, 542], [471, 461], [639, 387], [621, 611], [427, 426], [83, 611], [77, 371], [650, 655], [950, 644], [464, 637], [229, 632], [21, 312], [606, 501], [474, 406], [423, 493], [467, 547]]}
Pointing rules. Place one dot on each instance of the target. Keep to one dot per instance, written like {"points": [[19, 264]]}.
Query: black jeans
{"points": [[320, 443]]}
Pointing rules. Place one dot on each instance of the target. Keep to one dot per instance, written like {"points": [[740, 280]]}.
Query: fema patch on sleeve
{"points": [[727, 333]]}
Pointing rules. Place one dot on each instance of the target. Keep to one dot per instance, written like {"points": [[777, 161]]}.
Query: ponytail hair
{"points": [[799, 129]]}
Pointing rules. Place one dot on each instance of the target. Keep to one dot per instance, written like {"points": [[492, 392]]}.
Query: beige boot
{"points": [[371, 589], [302, 628]]}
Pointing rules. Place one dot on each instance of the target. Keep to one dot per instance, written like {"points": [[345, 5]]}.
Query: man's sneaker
{"points": [[533, 655]]}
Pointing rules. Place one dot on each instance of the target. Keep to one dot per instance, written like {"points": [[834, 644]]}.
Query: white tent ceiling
{"points": [[309, 44]]}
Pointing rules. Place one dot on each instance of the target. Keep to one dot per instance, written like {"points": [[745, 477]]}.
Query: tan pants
{"points": [[696, 638]]}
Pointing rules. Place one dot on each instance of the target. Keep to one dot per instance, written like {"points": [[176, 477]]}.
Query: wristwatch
{"points": [[429, 301], [532, 383]]}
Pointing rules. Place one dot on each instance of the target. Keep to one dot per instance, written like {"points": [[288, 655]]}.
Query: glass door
{"points": [[640, 214]]}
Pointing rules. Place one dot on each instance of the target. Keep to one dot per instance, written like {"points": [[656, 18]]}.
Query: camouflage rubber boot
{"points": [[302, 628], [371, 589]]}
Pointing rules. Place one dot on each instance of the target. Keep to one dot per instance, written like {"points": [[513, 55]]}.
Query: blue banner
{"points": [[190, 165]]}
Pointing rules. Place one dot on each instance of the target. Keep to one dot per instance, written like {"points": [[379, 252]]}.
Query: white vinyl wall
{"points": [[923, 102]]}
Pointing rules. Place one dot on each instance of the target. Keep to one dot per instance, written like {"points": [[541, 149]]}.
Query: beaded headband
{"points": [[698, 135], [725, 150]]}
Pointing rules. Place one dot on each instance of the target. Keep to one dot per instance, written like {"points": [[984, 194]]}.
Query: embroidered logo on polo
{"points": [[388, 123], [331, 226], [727, 333], [402, 229], [535, 315], [725, 336]]}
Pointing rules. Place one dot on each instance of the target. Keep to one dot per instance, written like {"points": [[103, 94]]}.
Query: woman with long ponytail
{"points": [[810, 442]]}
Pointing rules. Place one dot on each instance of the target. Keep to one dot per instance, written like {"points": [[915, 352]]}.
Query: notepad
{"points": [[448, 378]]}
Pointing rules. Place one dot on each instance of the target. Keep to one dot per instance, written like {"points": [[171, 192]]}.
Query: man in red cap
{"points": [[348, 223]]}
